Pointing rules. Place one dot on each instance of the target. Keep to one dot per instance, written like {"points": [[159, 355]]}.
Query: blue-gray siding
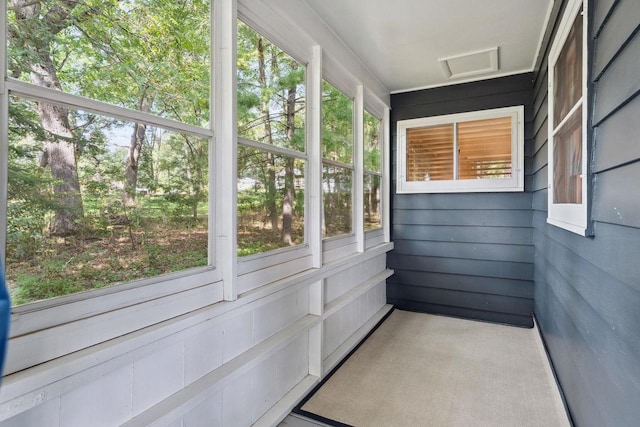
{"points": [[587, 290], [465, 254]]}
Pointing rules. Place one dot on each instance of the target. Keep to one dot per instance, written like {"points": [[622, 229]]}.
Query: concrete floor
{"points": [[420, 369]]}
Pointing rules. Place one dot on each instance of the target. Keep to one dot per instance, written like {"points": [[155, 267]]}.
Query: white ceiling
{"points": [[401, 41]]}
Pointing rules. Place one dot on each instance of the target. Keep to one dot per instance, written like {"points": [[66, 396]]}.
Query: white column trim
{"points": [[386, 175], [358, 161], [226, 142], [314, 152]]}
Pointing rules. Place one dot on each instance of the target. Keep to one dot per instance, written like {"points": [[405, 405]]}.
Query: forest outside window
{"points": [[99, 199], [337, 162], [372, 172], [271, 146], [567, 123], [481, 151]]}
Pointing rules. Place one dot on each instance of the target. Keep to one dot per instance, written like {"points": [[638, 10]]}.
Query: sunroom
{"points": [[208, 206]]}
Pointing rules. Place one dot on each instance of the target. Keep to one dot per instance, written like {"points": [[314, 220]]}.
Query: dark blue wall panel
{"points": [[587, 289], [465, 254]]}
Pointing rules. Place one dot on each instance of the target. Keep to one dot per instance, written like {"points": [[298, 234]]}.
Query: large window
{"points": [[118, 200], [272, 145], [337, 162], [107, 142], [478, 151], [567, 123], [108, 154]]}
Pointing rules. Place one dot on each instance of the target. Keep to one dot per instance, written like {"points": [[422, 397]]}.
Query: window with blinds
{"points": [[479, 151], [484, 149], [430, 153]]}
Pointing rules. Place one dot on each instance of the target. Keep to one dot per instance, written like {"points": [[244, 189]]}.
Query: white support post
{"points": [[314, 152], [386, 175], [358, 162], [224, 23], [316, 307]]}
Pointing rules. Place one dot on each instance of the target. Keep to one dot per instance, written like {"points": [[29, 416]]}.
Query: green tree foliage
{"points": [[149, 55]]}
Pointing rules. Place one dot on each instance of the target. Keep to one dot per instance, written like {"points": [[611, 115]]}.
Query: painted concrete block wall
{"points": [[231, 363], [345, 322]]}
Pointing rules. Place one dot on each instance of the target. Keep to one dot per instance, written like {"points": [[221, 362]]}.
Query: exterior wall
{"points": [[230, 363], [587, 290], [464, 254]]}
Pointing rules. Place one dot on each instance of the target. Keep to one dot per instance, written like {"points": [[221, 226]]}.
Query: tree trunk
{"points": [[272, 208], [59, 149], [270, 186], [375, 197], [59, 154], [289, 180], [133, 157]]}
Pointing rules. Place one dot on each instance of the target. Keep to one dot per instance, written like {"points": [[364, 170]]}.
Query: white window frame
{"points": [[259, 269], [571, 217], [341, 165], [197, 286], [512, 184], [379, 174]]}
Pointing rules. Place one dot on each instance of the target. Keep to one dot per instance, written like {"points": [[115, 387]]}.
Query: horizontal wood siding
{"points": [[587, 290], [465, 254]]}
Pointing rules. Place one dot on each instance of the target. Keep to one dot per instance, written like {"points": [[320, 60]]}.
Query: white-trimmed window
{"points": [[108, 147], [568, 122], [271, 145], [480, 151], [337, 162], [372, 179]]}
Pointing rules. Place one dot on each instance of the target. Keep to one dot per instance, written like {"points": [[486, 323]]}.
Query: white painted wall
{"points": [[230, 363]]}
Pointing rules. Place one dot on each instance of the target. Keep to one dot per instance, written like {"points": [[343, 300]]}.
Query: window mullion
{"points": [[566, 118], [4, 134], [4, 171], [358, 161], [456, 152], [272, 148], [314, 205], [385, 197], [226, 130], [338, 164]]}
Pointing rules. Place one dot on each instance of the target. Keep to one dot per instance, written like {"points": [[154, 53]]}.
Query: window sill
{"points": [[577, 229]]}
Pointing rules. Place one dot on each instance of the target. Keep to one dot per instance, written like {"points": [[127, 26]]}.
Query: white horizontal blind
{"points": [[484, 149], [430, 153]]}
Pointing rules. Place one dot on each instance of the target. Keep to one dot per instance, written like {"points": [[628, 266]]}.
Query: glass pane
{"points": [[95, 201], [430, 153], [372, 130], [567, 87], [372, 205], [484, 149], [567, 161], [337, 125], [337, 200], [270, 201], [271, 92], [148, 55]]}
